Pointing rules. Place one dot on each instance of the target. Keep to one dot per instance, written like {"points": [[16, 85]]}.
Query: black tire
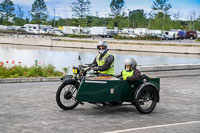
{"points": [[147, 95], [66, 96]]}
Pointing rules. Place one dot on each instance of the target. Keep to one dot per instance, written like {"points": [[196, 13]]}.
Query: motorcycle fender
{"points": [[143, 85], [67, 81]]}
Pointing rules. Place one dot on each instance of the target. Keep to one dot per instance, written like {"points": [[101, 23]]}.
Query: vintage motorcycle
{"points": [[102, 90]]}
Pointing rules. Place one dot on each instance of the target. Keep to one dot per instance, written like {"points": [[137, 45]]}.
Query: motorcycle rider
{"points": [[104, 61], [130, 71]]}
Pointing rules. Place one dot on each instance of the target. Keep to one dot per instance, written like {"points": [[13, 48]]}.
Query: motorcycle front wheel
{"points": [[66, 96]]}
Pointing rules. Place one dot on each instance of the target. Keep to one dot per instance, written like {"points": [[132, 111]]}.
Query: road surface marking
{"points": [[150, 127]]}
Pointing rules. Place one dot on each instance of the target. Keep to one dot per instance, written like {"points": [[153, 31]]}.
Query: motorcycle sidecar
{"points": [[143, 93]]}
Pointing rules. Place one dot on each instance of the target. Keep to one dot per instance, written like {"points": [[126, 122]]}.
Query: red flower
{"points": [[13, 62], [6, 61], [1, 63], [10, 69], [14, 67], [20, 62]]}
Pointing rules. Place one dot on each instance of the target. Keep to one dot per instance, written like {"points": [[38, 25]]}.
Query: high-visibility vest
{"points": [[126, 74], [101, 62]]}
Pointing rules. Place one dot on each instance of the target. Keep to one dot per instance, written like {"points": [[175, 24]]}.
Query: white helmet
{"points": [[131, 62], [102, 43]]}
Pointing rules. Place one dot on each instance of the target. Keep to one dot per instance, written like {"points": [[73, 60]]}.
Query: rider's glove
{"points": [[95, 68]]}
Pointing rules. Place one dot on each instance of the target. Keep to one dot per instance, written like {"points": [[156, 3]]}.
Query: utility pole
{"points": [[54, 22]]}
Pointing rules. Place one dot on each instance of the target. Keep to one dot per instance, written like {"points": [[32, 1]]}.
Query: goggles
{"points": [[101, 48]]}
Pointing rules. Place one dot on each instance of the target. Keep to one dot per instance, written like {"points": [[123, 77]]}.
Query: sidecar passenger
{"points": [[130, 71]]}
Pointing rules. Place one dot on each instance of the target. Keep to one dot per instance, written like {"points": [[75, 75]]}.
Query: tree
{"points": [[176, 24], [20, 12], [138, 19], [161, 17], [7, 11], [19, 17], [116, 7], [161, 6], [39, 12], [81, 9]]}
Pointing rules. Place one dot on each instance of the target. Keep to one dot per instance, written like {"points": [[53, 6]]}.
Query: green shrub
{"points": [[77, 36], [136, 38], [15, 71]]}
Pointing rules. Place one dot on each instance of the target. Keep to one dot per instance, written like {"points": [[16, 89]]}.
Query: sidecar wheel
{"points": [[146, 100], [66, 96]]}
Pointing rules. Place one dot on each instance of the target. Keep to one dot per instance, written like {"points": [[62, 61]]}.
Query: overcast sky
{"points": [[63, 10]]}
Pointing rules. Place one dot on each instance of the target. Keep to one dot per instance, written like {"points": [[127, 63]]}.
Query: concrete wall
{"points": [[171, 70], [113, 45], [25, 41], [170, 67]]}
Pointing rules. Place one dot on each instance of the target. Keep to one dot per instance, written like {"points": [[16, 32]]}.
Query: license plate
{"points": [[75, 71]]}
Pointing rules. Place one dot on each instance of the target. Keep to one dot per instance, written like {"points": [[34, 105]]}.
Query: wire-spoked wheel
{"points": [[146, 100], [66, 96]]}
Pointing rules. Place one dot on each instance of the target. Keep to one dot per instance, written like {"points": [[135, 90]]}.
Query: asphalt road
{"points": [[31, 108]]}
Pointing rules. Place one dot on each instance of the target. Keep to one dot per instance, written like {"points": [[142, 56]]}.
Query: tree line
{"points": [[158, 18], [11, 16]]}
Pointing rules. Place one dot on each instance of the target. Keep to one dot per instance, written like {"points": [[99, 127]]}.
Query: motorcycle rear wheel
{"points": [[66, 96], [146, 100]]}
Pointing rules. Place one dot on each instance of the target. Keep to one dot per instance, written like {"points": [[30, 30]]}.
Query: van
{"points": [[192, 34]]}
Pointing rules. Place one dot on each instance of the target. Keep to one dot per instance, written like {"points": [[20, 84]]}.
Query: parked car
{"points": [[181, 34], [164, 37], [133, 35], [171, 35], [111, 33], [191, 34], [168, 37], [57, 32], [22, 29]]}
